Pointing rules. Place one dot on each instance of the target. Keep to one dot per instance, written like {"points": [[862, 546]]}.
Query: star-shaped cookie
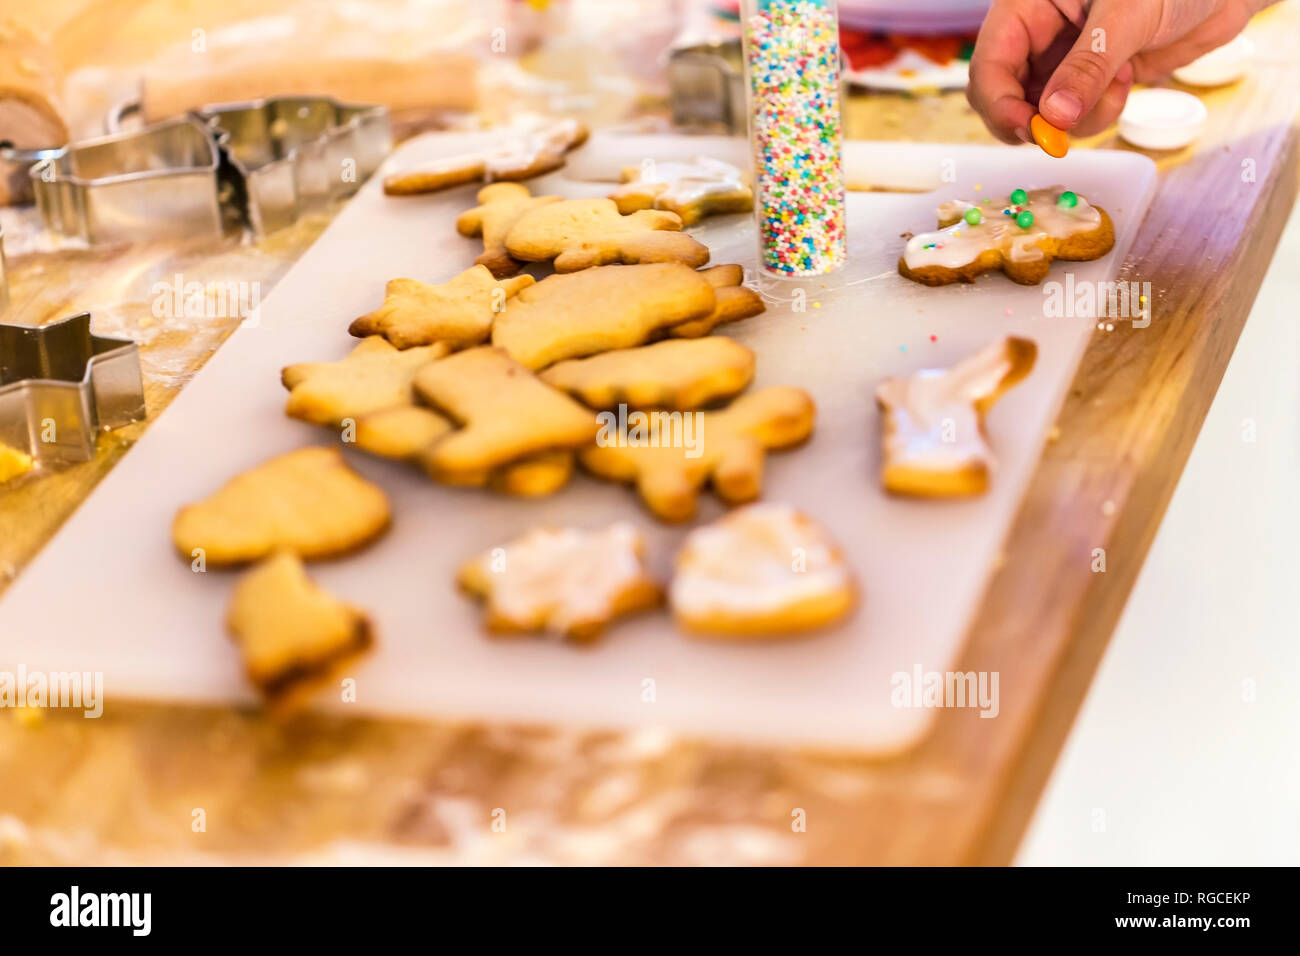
{"points": [[375, 376], [458, 312]]}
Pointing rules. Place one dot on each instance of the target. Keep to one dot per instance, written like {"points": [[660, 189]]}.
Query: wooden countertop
{"points": [[124, 789]]}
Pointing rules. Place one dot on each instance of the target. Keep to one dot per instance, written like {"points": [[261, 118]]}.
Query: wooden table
{"points": [[125, 789]]}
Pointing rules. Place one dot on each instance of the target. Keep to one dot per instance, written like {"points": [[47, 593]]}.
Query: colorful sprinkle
{"points": [[1068, 200], [974, 217], [794, 75], [1024, 219], [1019, 197]]}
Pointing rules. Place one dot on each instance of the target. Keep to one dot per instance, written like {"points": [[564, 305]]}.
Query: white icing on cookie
{"points": [[935, 414], [570, 578], [690, 181], [748, 562], [961, 243], [547, 146]]}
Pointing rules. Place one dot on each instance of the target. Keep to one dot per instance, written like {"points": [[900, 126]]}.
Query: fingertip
{"points": [[1062, 108]]}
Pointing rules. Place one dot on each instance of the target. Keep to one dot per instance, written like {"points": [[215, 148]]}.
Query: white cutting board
{"points": [[109, 594]]}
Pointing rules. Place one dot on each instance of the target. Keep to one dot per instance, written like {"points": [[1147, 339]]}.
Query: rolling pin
{"points": [[438, 81], [29, 104]]}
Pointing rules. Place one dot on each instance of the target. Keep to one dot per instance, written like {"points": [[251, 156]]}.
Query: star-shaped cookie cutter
{"points": [[60, 385]]}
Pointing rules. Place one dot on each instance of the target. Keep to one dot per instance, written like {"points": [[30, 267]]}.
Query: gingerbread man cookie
{"points": [[500, 206], [674, 374], [294, 637], [761, 570], [521, 157], [934, 441], [1020, 235], [671, 458], [458, 313], [581, 233], [504, 411], [566, 582], [608, 307], [693, 189], [308, 502]]}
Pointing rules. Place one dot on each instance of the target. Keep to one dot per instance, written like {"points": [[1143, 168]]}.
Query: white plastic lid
{"points": [[1224, 64], [1162, 119]]}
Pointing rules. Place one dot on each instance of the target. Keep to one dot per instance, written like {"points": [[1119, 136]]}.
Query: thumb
{"points": [[1114, 32]]}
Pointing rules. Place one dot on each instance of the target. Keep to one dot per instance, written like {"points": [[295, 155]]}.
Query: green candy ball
{"points": [[1068, 200], [974, 217], [1018, 196], [1024, 219]]}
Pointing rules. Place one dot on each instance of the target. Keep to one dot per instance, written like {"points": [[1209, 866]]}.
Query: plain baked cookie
{"points": [[580, 233], [1020, 234], [505, 413], [566, 582], [674, 374], [458, 313], [725, 448], [608, 307], [761, 570], [293, 636], [933, 421], [733, 302], [500, 207], [308, 502]]}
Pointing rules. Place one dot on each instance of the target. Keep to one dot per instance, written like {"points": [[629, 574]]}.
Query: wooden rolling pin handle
{"points": [[29, 112]]}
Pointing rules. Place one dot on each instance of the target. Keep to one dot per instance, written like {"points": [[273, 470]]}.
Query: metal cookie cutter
{"points": [[708, 85], [293, 154], [261, 164], [158, 183], [60, 386]]}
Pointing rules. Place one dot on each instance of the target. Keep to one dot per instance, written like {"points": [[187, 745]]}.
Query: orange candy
{"points": [[1052, 141]]}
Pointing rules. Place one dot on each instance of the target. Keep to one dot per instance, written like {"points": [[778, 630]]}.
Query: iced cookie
{"points": [[1020, 235], [308, 502], [373, 377], [294, 637], [609, 307], [565, 582], [458, 312], [581, 233], [934, 441], [694, 189], [734, 302], [674, 374], [520, 157], [670, 456], [500, 207], [504, 411], [761, 570]]}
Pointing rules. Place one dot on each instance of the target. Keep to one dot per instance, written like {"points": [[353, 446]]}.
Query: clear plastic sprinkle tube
{"points": [[792, 63]]}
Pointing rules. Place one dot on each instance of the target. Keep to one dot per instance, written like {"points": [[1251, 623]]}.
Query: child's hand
{"points": [[1075, 61]]}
